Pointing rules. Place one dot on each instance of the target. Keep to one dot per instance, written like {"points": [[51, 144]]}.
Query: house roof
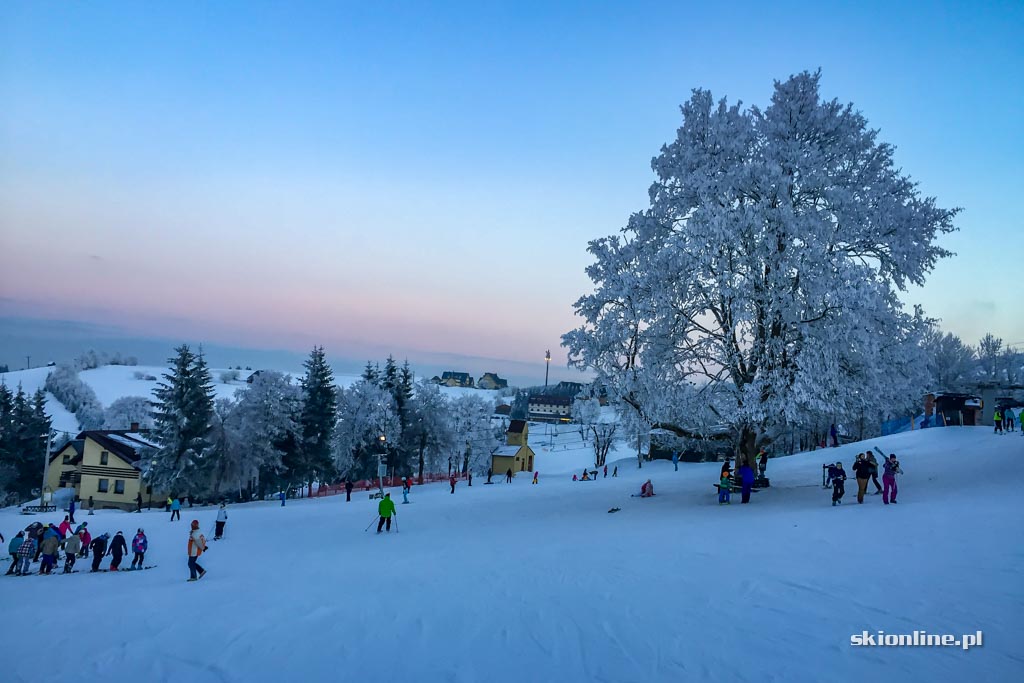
{"points": [[76, 444], [503, 409], [506, 451], [122, 443], [461, 376], [543, 399], [517, 426]]}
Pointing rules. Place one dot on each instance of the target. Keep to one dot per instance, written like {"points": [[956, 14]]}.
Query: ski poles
{"points": [[396, 522], [370, 524]]}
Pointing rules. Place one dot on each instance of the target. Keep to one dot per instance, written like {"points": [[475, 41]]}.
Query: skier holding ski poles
{"points": [[386, 508]]}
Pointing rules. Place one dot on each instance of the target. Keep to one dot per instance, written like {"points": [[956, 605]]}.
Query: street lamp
{"points": [[547, 366], [46, 467]]}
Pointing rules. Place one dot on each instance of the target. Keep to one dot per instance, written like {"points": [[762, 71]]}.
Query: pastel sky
{"points": [[423, 178]]}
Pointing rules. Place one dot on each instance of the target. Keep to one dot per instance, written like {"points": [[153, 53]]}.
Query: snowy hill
{"points": [[514, 582]]}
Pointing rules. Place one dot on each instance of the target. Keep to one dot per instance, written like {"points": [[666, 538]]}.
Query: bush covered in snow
{"points": [[76, 395]]}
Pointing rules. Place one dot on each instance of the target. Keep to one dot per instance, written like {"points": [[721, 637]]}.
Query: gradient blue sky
{"points": [[422, 178]]}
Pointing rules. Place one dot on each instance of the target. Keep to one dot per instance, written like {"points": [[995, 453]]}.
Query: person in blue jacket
{"points": [[12, 550], [283, 496], [747, 477], [675, 461], [175, 510], [25, 552]]}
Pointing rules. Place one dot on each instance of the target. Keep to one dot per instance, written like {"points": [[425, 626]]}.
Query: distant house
{"points": [[550, 408], [568, 388], [251, 378], [456, 379], [949, 409], [490, 380], [435, 380], [503, 409], [104, 464], [516, 454]]}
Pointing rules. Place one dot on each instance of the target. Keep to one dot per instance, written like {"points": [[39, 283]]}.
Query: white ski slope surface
{"points": [[515, 582]]}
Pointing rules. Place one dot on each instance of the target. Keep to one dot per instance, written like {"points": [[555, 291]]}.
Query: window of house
{"points": [[67, 458], [102, 487], [119, 486], [103, 457]]}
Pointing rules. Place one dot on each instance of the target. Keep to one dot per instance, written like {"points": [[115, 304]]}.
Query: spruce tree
{"points": [[371, 373], [183, 416], [319, 413]]}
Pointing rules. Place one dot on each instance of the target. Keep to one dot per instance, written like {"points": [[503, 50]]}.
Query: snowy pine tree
{"points": [[319, 413], [182, 416], [766, 270]]}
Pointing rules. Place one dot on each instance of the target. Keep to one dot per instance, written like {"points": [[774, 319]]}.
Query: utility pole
{"points": [[28, 362], [46, 466], [547, 366]]}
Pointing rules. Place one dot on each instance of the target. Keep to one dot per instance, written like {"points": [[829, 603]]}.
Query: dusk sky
{"points": [[423, 178]]}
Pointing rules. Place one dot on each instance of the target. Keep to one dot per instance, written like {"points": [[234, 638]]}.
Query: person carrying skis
{"points": [[140, 544], [348, 490], [892, 468], [118, 549], [222, 519], [386, 508], [747, 479], [451, 480], [874, 472], [25, 552], [196, 547], [837, 475], [12, 550], [862, 468], [71, 550], [99, 550]]}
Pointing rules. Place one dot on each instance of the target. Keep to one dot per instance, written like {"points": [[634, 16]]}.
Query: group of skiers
{"points": [[43, 542], [588, 475], [866, 470], [1004, 421], [746, 477]]}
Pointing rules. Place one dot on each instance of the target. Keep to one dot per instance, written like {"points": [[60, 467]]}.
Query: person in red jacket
{"points": [[451, 480]]}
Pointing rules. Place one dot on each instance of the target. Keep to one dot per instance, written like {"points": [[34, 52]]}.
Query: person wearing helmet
{"points": [[222, 519], [140, 544], [118, 549], [72, 547], [837, 475], [196, 547], [385, 508]]}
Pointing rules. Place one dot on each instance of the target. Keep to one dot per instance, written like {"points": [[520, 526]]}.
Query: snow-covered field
{"points": [[539, 583]]}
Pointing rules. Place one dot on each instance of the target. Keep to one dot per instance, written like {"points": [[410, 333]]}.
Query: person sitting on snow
{"points": [[647, 490]]}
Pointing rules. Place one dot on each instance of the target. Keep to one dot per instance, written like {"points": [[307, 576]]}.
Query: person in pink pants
{"points": [[889, 488]]}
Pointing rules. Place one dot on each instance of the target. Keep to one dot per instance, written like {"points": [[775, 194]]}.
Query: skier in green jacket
{"points": [[385, 509]]}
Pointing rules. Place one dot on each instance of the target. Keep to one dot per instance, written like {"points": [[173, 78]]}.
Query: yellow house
{"points": [[104, 465], [516, 455]]}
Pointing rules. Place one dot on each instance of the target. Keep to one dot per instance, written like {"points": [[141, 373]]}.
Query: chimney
{"points": [[134, 427]]}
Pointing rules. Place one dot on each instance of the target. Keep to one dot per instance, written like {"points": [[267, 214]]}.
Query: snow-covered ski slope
{"points": [[515, 582]]}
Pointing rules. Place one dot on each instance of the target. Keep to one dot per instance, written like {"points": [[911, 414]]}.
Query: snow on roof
{"points": [[132, 440], [506, 451]]}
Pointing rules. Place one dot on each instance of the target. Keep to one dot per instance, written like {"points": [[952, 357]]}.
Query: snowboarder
{"points": [[12, 550], [118, 549], [348, 490], [723, 490], [874, 472], [99, 550], [90, 505], [747, 477], [675, 461], [71, 550], [508, 476], [837, 475], [138, 502], [891, 469], [997, 418], [222, 519], [386, 508], [862, 468], [25, 552], [762, 462], [71, 509], [451, 480], [196, 547], [140, 544], [405, 491], [175, 509], [536, 475]]}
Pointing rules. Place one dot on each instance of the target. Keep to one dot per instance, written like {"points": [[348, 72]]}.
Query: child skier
{"points": [[723, 490], [837, 475], [385, 508], [196, 547], [140, 544]]}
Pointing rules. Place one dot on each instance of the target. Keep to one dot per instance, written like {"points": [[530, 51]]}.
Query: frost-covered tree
{"points": [[474, 437], [319, 414], [366, 412], [128, 410], [952, 363], [264, 428], [600, 427], [767, 268], [75, 395], [429, 431], [990, 357], [183, 415]]}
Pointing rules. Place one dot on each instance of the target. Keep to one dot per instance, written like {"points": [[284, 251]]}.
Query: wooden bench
{"points": [[28, 509]]}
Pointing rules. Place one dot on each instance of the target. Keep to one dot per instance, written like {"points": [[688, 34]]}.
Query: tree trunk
{"points": [[748, 448], [422, 449]]}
